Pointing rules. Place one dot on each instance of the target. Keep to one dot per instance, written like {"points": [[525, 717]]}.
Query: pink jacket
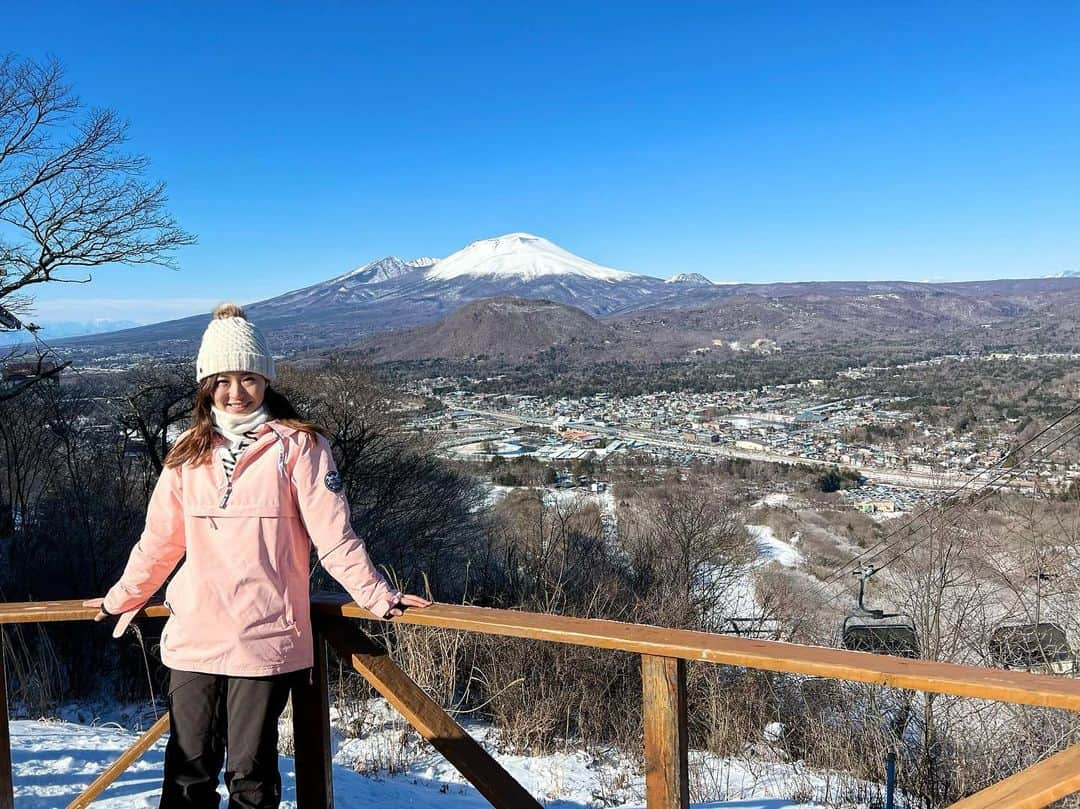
{"points": [[239, 604]]}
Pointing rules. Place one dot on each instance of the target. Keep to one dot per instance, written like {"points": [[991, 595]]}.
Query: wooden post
{"points": [[663, 681], [427, 716], [311, 735], [117, 768], [7, 787]]}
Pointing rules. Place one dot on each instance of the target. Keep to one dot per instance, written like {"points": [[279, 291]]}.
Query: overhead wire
{"points": [[1064, 438], [952, 494]]}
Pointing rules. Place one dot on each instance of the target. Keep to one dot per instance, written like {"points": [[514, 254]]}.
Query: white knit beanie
{"points": [[232, 343]]}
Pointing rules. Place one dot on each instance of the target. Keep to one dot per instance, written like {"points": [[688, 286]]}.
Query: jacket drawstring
{"points": [[282, 456]]}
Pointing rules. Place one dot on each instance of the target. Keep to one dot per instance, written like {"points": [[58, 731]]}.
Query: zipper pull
{"points": [[228, 493]]}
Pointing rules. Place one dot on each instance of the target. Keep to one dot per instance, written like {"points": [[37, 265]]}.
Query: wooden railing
{"points": [[664, 653]]}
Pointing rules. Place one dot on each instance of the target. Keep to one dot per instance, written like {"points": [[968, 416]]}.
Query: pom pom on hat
{"points": [[228, 310], [233, 343]]}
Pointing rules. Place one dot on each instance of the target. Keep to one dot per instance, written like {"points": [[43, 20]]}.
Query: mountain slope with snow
{"points": [[385, 269], [521, 257]]}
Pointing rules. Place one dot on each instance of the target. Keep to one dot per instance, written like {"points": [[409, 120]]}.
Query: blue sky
{"points": [[748, 141]]}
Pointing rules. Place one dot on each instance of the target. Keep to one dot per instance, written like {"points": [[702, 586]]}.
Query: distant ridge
{"points": [[394, 293]]}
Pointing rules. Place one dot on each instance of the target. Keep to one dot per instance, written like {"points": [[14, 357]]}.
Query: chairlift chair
{"points": [[760, 627], [1040, 647], [877, 631]]}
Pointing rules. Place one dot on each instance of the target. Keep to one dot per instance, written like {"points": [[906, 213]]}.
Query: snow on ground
{"points": [[773, 549], [740, 599], [54, 760], [773, 500]]}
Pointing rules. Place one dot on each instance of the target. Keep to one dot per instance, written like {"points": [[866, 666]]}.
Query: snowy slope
{"points": [[385, 269], [773, 549], [522, 257], [53, 761]]}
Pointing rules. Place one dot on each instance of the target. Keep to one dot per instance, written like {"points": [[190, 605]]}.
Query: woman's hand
{"points": [[100, 604], [124, 619], [407, 600]]}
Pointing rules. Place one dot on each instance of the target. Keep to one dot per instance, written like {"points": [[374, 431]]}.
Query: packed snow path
{"points": [[53, 761]]}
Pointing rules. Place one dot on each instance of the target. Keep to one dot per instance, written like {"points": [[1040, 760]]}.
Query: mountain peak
{"points": [[520, 256], [689, 278], [383, 269]]}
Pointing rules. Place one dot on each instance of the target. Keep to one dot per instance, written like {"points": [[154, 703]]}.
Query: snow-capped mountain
{"points": [[393, 292], [407, 292], [520, 257], [695, 278], [525, 266]]}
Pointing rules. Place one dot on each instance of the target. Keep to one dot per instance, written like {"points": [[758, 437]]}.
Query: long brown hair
{"points": [[196, 445]]}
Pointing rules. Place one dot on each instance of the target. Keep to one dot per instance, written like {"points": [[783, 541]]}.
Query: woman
{"points": [[244, 494]]}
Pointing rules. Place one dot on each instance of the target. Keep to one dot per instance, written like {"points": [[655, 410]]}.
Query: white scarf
{"points": [[232, 426]]}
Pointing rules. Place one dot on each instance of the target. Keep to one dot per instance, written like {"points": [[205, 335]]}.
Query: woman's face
{"points": [[239, 393]]}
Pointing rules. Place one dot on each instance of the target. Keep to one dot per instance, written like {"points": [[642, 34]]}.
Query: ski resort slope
{"points": [[54, 760]]}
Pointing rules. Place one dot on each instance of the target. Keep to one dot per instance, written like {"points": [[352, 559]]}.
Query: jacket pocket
{"points": [[260, 609]]}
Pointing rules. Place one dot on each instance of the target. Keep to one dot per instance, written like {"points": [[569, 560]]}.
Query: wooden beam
{"points": [[667, 778], [40, 612], [898, 672], [921, 675], [427, 716], [126, 759], [1037, 786], [7, 787], [312, 755]]}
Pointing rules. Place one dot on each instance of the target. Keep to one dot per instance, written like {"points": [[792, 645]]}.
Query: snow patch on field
{"points": [[773, 500]]}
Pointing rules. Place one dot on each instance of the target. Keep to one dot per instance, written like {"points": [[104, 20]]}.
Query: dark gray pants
{"points": [[212, 715]]}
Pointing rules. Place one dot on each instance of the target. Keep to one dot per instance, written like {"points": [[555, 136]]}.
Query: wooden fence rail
{"points": [[664, 653]]}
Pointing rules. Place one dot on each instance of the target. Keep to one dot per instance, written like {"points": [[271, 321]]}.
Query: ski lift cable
{"points": [[1061, 440], [1064, 438], [1010, 473], [951, 494]]}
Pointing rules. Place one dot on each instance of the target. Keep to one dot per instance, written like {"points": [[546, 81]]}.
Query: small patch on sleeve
{"points": [[333, 482]]}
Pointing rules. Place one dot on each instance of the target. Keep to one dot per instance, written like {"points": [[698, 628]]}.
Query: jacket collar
{"points": [[283, 430]]}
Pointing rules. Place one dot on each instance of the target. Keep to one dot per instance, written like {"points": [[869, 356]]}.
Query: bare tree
{"points": [[415, 513], [162, 398], [696, 551], [71, 197]]}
